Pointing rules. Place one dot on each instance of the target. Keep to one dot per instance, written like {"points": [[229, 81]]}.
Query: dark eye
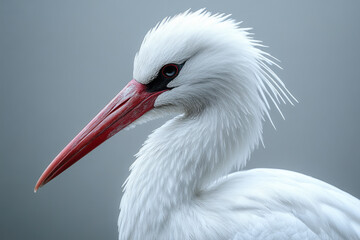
{"points": [[166, 74], [170, 71]]}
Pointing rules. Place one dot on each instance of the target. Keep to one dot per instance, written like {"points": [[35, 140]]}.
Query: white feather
{"points": [[179, 187]]}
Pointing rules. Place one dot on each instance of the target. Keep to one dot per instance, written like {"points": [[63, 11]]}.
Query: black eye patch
{"points": [[166, 74]]}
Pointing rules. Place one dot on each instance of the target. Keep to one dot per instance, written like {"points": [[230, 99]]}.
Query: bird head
{"points": [[208, 56], [185, 64]]}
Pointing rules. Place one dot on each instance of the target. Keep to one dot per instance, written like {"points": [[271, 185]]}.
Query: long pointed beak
{"points": [[130, 104]]}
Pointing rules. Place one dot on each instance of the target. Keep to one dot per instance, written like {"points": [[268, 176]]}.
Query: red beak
{"points": [[130, 104]]}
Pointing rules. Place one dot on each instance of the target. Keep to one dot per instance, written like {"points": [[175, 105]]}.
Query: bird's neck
{"points": [[180, 159]]}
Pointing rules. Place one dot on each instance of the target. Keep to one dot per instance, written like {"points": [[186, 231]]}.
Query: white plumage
{"points": [[179, 188], [182, 186]]}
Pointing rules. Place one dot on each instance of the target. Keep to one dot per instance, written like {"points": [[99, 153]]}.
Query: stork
{"points": [[185, 182]]}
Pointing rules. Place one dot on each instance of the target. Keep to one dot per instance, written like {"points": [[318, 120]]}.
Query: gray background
{"points": [[62, 61]]}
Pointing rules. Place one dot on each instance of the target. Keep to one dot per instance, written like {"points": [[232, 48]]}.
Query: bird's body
{"points": [[183, 185], [186, 195], [262, 204]]}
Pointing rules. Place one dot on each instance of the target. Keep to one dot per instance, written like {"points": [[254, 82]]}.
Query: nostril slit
{"points": [[118, 106]]}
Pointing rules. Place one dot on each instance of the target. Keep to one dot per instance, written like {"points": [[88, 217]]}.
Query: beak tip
{"points": [[38, 185]]}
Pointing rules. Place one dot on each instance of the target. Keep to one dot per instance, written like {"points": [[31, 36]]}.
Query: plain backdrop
{"points": [[62, 61]]}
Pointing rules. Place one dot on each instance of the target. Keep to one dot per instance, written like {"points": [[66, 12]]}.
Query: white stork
{"points": [[210, 72]]}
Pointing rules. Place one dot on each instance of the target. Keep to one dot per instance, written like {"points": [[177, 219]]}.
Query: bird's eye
{"points": [[170, 71], [166, 74]]}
